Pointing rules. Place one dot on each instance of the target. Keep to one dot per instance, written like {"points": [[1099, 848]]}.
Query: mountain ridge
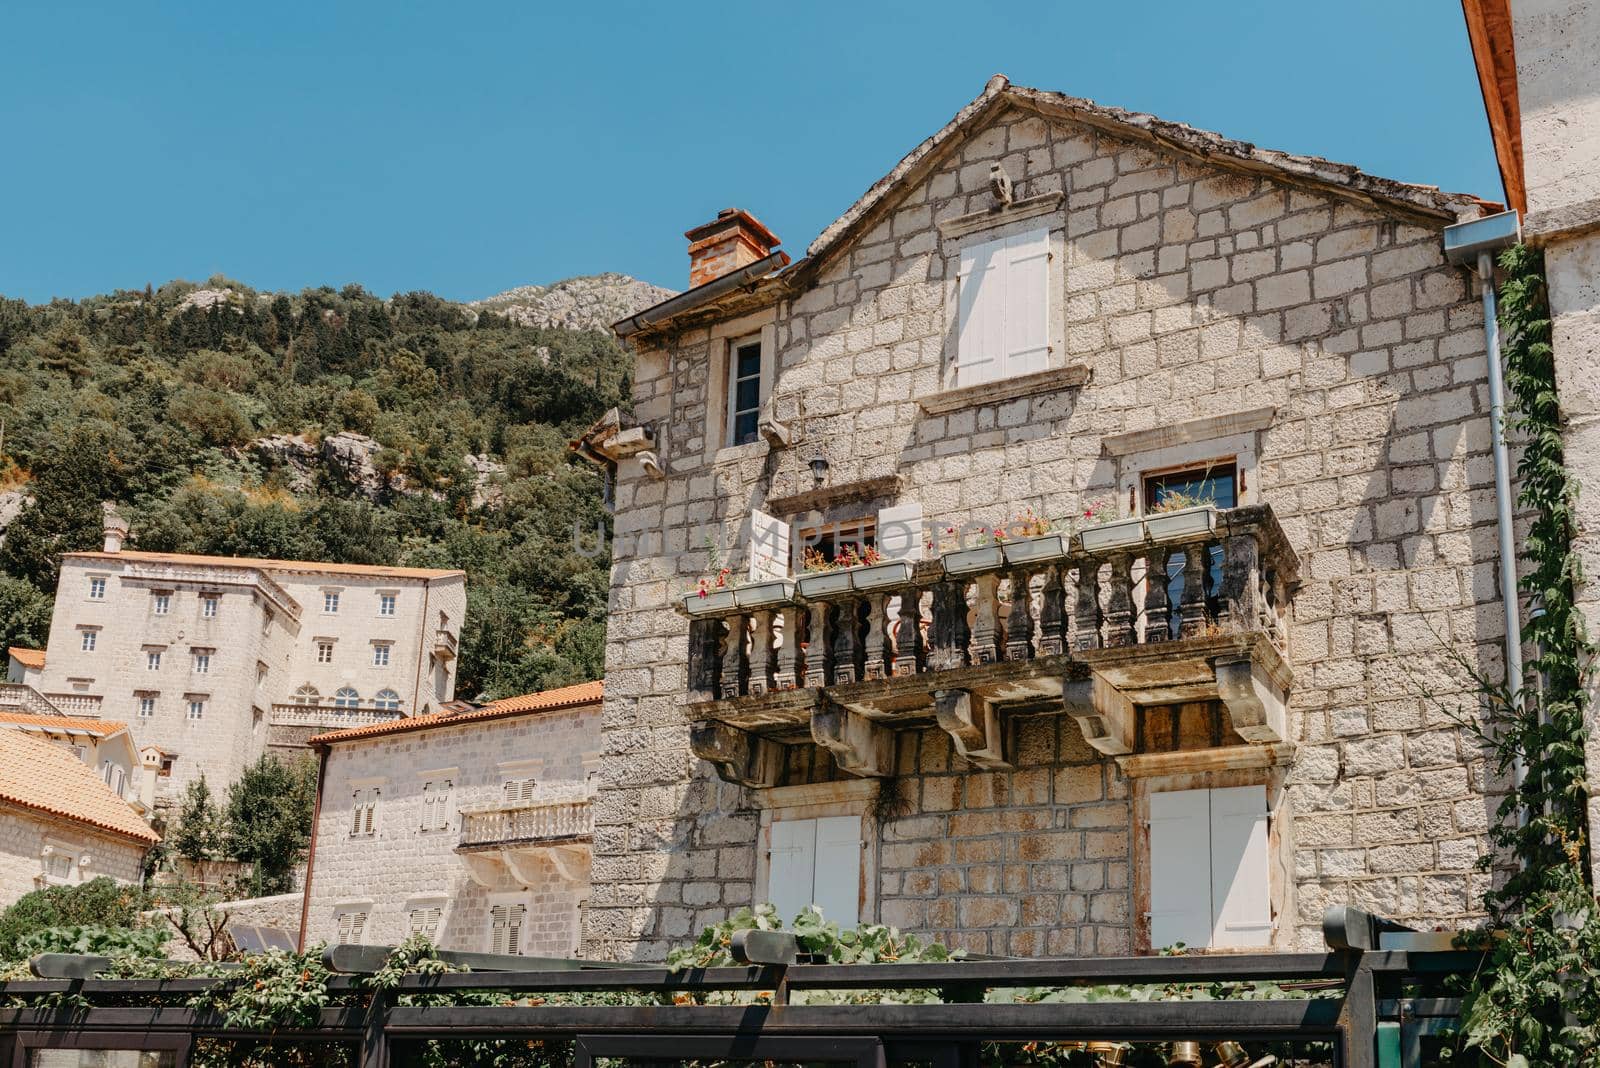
{"points": [[582, 302]]}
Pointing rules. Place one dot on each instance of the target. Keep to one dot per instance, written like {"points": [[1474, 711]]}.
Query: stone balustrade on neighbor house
{"points": [[330, 717], [1194, 668], [515, 823]]}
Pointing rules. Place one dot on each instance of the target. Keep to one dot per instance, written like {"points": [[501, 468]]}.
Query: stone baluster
{"points": [[880, 650], [908, 647], [1240, 602], [817, 646], [1192, 605], [1119, 602], [1086, 611], [790, 656], [1019, 621], [847, 649], [949, 634], [988, 639], [1157, 597], [1053, 612], [735, 660], [762, 658], [705, 657]]}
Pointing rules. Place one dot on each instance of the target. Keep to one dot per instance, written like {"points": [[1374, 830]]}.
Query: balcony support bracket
{"points": [[739, 757], [1255, 702], [859, 746], [974, 727], [1104, 714]]}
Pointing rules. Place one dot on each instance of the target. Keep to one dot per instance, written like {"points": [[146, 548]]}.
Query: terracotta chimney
{"points": [[734, 239]]}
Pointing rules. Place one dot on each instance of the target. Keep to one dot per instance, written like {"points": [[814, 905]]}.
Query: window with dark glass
{"points": [[744, 392], [1216, 484]]}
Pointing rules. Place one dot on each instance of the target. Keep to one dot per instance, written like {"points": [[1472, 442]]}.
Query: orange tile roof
{"points": [[33, 658], [62, 724], [46, 777], [314, 566], [584, 693]]}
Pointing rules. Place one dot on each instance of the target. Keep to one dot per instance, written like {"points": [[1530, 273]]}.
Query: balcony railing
{"points": [[75, 704], [330, 716], [1092, 632], [25, 698], [444, 644], [491, 826]]}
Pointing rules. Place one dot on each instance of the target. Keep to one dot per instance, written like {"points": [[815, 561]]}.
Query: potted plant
{"points": [[714, 595], [1180, 515], [768, 594], [1101, 531], [1034, 539], [987, 553], [852, 568]]}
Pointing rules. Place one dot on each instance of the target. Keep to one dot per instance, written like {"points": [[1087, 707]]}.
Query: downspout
{"points": [[422, 648], [1476, 242], [311, 853]]}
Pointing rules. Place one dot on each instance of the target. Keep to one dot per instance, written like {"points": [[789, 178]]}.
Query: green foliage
{"points": [[269, 820], [869, 943], [24, 614], [96, 938], [199, 830], [98, 902]]}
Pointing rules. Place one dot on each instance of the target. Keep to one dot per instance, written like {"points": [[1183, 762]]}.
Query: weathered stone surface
{"points": [[590, 302]]}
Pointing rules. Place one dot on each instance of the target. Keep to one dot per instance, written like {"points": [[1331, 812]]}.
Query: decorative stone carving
{"points": [[1104, 714], [739, 757], [858, 745], [974, 727]]}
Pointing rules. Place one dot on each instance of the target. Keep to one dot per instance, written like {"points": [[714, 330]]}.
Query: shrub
{"points": [[98, 902]]}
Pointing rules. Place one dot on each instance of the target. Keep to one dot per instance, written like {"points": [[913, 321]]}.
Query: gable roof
{"points": [[584, 693], [80, 725], [45, 777], [29, 658], [315, 567]]}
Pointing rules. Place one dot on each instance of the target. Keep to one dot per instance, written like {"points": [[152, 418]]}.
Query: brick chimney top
{"points": [[732, 240]]}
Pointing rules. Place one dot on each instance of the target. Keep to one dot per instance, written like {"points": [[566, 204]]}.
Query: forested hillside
{"points": [[160, 400]]}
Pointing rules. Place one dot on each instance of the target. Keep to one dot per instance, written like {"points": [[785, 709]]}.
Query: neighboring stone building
{"points": [[59, 823], [213, 658], [1052, 306], [472, 827], [103, 745], [24, 666], [1539, 67]]}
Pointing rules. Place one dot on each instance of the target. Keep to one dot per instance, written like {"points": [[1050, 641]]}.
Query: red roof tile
{"points": [[584, 693], [47, 777]]}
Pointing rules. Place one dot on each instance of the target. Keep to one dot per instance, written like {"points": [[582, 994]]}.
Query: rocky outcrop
{"points": [[589, 302], [294, 454], [12, 502], [488, 487], [351, 458]]}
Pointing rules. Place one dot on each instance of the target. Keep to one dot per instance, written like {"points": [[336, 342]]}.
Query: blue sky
{"points": [[468, 148]]}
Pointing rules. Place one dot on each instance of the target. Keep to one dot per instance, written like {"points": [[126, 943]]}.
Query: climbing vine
{"points": [[1536, 1002]]}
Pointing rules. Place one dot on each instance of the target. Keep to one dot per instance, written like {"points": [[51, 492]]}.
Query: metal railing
{"points": [[515, 822]]}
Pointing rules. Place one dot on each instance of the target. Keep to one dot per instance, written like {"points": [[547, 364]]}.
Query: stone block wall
{"points": [[24, 834]]}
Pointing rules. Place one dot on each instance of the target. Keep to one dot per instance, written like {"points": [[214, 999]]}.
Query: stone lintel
{"points": [[974, 728], [1052, 380], [1188, 431], [1001, 214], [815, 500], [1198, 761]]}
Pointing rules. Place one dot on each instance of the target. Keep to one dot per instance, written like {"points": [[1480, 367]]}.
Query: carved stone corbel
{"points": [[1255, 703], [1104, 714], [739, 756], [858, 745], [974, 728], [483, 869], [571, 863]]}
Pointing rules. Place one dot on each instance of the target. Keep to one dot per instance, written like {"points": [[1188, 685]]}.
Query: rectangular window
{"points": [[97, 589], [744, 391], [330, 602], [58, 866], [380, 656], [352, 925], [208, 606], [1208, 869], [324, 652], [161, 604], [364, 812], [505, 928], [436, 804], [816, 862], [147, 706], [386, 603], [106, 768], [202, 661], [1003, 308], [152, 660], [197, 708], [88, 640], [425, 922], [514, 790], [1215, 484], [118, 778]]}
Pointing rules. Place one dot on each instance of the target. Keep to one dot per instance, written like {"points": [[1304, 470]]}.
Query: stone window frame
{"points": [[193, 701], [53, 847], [331, 596], [845, 797], [388, 599], [88, 637], [1234, 437], [99, 586], [161, 602], [322, 642], [200, 659], [152, 656], [210, 605], [382, 652], [724, 336], [140, 697], [1280, 845]]}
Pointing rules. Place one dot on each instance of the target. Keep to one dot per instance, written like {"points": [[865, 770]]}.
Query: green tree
{"points": [[199, 829], [24, 614], [269, 820], [99, 902]]}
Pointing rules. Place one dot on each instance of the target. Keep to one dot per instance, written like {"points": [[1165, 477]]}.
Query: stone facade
{"points": [[262, 641], [25, 834], [1192, 291], [407, 863]]}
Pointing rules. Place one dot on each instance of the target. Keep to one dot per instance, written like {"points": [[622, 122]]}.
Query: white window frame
{"points": [[820, 801], [731, 376], [340, 700], [152, 659], [195, 706], [89, 637], [324, 651], [387, 700], [380, 653], [202, 660], [147, 704], [1231, 827], [388, 603], [330, 602], [97, 587], [160, 604], [718, 430], [987, 347], [503, 908], [307, 694], [208, 605]]}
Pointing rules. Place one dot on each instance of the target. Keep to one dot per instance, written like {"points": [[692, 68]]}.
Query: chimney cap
{"points": [[730, 217]]}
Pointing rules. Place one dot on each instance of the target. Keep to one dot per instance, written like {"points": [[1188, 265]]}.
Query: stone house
{"points": [[213, 659], [1197, 725], [60, 824], [470, 826], [107, 746]]}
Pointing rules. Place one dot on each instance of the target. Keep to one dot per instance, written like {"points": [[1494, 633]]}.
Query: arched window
{"points": [[387, 700], [346, 697], [307, 695]]}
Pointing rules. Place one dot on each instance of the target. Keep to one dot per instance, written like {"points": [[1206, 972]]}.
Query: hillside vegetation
{"points": [[158, 401]]}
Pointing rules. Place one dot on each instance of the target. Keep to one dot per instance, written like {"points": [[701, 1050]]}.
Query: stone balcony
{"points": [[330, 717], [444, 645], [515, 838], [20, 697], [1185, 674]]}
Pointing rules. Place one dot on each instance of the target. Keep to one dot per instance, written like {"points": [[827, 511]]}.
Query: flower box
{"points": [[764, 594], [1035, 550], [1111, 535], [1181, 522], [971, 561], [823, 583], [889, 574], [715, 602]]}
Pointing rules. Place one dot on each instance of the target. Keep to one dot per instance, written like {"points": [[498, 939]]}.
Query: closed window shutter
{"points": [[355, 812], [1180, 865], [372, 809], [1239, 877], [514, 936], [980, 314], [443, 810], [791, 867], [1027, 292], [357, 926], [836, 879], [427, 806]]}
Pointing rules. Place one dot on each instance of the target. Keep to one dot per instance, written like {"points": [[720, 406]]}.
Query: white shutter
{"points": [[1239, 880], [900, 533], [355, 812], [1027, 303], [769, 547], [1180, 865], [358, 924], [981, 314], [427, 809], [791, 867], [836, 878]]}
